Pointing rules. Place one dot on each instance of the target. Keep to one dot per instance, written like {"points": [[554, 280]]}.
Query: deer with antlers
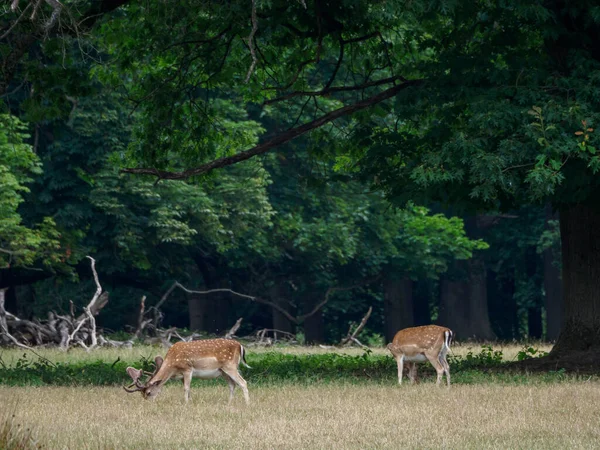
{"points": [[418, 344], [203, 359]]}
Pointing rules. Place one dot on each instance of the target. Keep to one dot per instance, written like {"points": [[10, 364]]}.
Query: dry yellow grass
{"points": [[10, 356], [340, 416]]}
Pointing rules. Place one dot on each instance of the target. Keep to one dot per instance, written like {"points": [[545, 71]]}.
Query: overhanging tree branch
{"points": [[277, 140]]}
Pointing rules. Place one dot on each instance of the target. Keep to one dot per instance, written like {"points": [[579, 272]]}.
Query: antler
{"points": [[138, 387]]}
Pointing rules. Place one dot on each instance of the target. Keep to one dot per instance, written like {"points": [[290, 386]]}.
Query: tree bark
{"points": [[552, 287], [502, 304], [197, 307], [479, 318], [278, 293], [464, 303], [579, 225], [314, 327], [534, 322], [454, 306], [422, 293], [398, 305]]}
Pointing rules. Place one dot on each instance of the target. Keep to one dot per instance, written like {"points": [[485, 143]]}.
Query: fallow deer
{"points": [[418, 344], [203, 359]]}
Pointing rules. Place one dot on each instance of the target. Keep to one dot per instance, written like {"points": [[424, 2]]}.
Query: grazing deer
{"points": [[204, 359], [428, 343]]}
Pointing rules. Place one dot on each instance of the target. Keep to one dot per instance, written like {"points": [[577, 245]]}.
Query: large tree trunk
{"points": [[534, 311], [398, 306], [464, 304], [278, 293], [314, 327], [552, 287], [503, 307], [454, 307], [422, 294], [198, 306], [210, 312], [534, 322], [580, 237], [479, 318]]}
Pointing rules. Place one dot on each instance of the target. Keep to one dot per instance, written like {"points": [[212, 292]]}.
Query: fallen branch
{"points": [[351, 336], [234, 329]]}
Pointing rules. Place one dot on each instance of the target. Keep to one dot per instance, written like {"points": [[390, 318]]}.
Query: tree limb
{"points": [[251, 41], [351, 336], [277, 140]]}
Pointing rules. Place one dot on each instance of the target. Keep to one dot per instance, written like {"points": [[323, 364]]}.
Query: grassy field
{"points": [[338, 416], [482, 410]]}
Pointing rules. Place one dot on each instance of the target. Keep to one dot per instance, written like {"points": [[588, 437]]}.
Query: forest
{"points": [[309, 177], [259, 154]]}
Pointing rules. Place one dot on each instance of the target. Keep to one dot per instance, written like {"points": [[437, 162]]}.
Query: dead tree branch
{"points": [[234, 329], [251, 41], [351, 336]]}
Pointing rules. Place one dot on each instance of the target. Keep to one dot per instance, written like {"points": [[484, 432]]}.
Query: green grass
{"points": [[269, 367]]}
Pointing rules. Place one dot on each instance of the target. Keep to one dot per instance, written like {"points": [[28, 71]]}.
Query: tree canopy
{"points": [[476, 107]]}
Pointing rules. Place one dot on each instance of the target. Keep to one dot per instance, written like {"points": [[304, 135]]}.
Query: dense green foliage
{"points": [[21, 245], [493, 109]]}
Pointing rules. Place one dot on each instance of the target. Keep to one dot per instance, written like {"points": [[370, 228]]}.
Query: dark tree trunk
{"points": [[534, 311], [12, 303], [479, 318], [503, 307], [278, 293], [464, 303], [314, 328], [580, 237], [552, 287], [534, 322], [210, 312], [454, 307], [198, 306], [398, 306], [422, 294]]}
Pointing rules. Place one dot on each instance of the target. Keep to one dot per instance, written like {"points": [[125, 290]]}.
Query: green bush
{"points": [[271, 367]]}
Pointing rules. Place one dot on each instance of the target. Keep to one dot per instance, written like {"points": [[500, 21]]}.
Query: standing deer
{"points": [[427, 343], [204, 359]]}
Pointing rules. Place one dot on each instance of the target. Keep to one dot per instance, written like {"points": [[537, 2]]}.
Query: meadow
{"points": [[491, 410]]}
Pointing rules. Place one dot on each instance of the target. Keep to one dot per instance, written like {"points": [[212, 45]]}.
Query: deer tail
{"points": [[448, 336], [243, 359]]}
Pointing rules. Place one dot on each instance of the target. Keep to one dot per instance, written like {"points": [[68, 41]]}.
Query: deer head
{"points": [[152, 387]]}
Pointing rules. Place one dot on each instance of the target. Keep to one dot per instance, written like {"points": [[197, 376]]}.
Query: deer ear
{"points": [[135, 374], [158, 361]]}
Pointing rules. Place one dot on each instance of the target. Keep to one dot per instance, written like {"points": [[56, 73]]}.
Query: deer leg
{"points": [[400, 362], [231, 384], [412, 372], [437, 365], [237, 379], [446, 367], [187, 380]]}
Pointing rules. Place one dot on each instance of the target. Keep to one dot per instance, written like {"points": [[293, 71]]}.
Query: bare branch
{"points": [[277, 140], [15, 23], [336, 289], [330, 90], [234, 329], [251, 41], [351, 336], [91, 309]]}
